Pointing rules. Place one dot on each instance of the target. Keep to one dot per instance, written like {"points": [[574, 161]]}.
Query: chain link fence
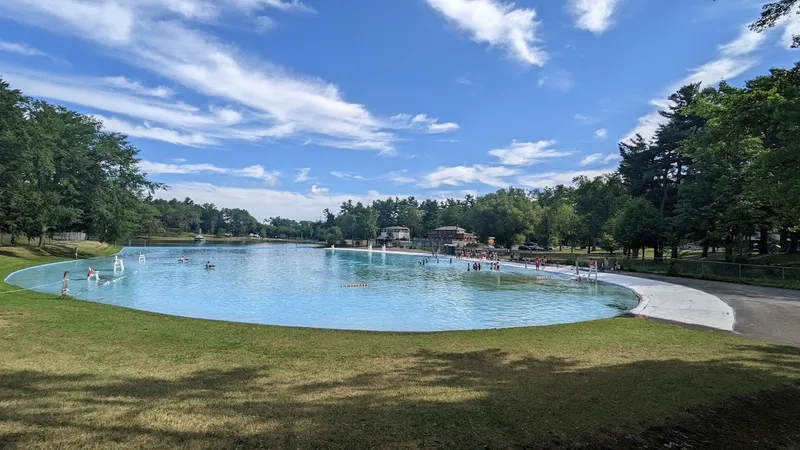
{"points": [[765, 275]]}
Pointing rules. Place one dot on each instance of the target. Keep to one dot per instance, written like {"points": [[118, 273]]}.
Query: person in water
{"points": [[209, 265]]}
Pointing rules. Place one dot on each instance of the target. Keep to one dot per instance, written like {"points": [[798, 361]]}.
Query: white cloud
{"points": [[144, 33], [792, 29], [602, 133], [264, 23], [302, 175], [598, 157], [263, 203], [464, 80], [399, 177], [316, 190], [747, 42], [284, 5], [348, 176], [559, 80], [446, 127], [178, 160], [734, 58], [124, 83], [256, 171], [459, 175], [527, 153], [595, 16], [550, 179], [22, 49], [156, 133], [497, 24], [423, 123], [396, 177]]}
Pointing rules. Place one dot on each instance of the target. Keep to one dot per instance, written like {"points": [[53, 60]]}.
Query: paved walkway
{"points": [[763, 313]]}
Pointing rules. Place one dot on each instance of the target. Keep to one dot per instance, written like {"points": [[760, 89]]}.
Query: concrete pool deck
{"points": [[657, 299]]}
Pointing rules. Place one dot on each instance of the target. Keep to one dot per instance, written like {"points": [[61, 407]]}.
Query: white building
{"points": [[391, 234]]}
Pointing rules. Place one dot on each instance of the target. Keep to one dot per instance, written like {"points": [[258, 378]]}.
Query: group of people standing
{"points": [[539, 262]]}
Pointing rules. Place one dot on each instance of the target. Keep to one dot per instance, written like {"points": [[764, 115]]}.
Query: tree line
{"points": [[60, 171], [723, 167]]}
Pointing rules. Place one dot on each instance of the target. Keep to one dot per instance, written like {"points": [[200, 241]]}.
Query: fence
{"points": [[777, 276]]}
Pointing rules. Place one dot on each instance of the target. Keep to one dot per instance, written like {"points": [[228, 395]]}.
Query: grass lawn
{"points": [[77, 374]]}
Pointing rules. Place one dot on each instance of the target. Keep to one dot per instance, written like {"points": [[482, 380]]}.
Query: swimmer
{"points": [[209, 265]]}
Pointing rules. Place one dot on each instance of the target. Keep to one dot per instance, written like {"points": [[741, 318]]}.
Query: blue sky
{"points": [[287, 107]]}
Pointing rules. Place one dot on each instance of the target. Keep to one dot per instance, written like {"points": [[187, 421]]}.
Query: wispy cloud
{"points": [[422, 122], [265, 202], [316, 190], [279, 103], [22, 49], [397, 177], [256, 171], [601, 134], [558, 80], [302, 175], [464, 80], [550, 179], [585, 119], [595, 16], [347, 175], [734, 58], [595, 158], [459, 175], [135, 86], [499, 25], [147, 131], [527, 153]]}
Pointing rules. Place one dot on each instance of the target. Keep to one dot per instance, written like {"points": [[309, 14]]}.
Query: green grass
{"points": [[82, 375]]}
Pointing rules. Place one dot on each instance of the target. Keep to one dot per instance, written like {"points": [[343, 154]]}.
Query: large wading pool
{"points": [[301, 286]]}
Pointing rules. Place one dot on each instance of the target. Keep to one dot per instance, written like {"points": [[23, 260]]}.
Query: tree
{"points": [[596, 201], [771, 15], [510, 215], [638, 224]]}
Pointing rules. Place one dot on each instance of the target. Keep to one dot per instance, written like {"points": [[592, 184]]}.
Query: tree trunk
{"points": [[793, 245], [763, 241], [705, 249], [644, 250], [674, 254], [784, 239], [635, 252], [41, 241], [729, 249]]}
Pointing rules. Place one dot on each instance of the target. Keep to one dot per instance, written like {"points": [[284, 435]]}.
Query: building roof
{"points": [[450, 228], [396, 228]]}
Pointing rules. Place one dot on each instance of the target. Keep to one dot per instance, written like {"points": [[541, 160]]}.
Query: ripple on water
{"points": [[288, 285]]}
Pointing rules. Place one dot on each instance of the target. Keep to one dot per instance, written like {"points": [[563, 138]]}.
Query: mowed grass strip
{"points": [[82, 375]]}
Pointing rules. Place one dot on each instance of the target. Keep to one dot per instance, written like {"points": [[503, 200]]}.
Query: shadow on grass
{"points": [[481, 399]]}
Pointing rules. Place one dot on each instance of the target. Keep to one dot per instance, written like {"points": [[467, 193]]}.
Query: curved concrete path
{"points": [[658, 299], [763, 313]]}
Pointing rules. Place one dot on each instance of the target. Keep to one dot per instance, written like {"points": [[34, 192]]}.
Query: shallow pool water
{"points": [[297, 286]]}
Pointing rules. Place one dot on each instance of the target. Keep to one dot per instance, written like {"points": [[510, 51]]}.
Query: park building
{"points": [[397, 234]]}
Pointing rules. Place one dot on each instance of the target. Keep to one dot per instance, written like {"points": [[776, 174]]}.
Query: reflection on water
{"points": [[302, 286]]}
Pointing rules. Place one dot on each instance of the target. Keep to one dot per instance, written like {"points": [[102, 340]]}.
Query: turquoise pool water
{"points": [[296, 286]]}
